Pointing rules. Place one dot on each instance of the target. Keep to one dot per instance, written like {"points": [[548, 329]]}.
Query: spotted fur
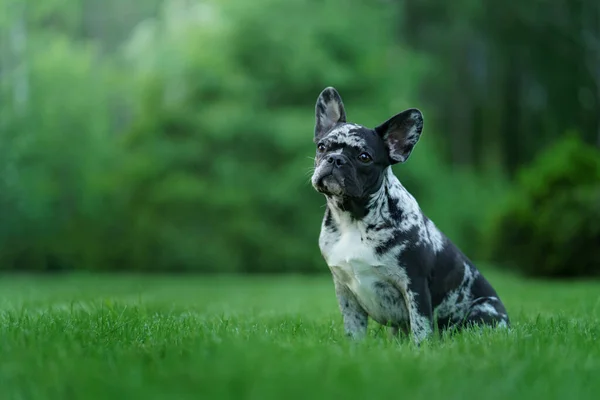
{"points": [[389, 262]]}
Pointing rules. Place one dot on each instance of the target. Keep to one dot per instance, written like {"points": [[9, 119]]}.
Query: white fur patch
{"points": [[343, 135], [351, 248], [435, 237], [486, 308]]}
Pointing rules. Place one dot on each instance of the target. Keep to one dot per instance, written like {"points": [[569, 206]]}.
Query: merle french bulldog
{"points": [[388, 260]]}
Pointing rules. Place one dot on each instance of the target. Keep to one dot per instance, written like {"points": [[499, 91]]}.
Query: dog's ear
{"points": [[401, 133], [329, 111]]}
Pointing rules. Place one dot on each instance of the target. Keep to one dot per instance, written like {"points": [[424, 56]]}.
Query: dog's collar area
{"points": [[355, 209]]}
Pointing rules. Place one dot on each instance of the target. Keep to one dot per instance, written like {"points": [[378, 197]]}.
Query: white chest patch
{"points": [[352, 259], [351, 248]]}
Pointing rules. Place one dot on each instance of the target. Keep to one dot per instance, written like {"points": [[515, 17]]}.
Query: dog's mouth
{"points": [[328, 183]]}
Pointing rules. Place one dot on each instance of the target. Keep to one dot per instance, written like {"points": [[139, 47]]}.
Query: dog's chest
{"points": [[354, 263]]}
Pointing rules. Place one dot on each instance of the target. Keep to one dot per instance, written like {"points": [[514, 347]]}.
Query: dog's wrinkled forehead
{"points": [[352, 135]]}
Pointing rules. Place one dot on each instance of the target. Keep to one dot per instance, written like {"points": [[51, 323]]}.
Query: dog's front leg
{"points": [[354, 316], [418, 303], [417, 298]]}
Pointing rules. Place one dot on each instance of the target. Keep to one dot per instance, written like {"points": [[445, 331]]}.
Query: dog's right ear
{"points": [[329, 111]]}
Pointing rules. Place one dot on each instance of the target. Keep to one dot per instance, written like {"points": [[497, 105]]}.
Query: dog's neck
{"points": [[348, 208], [386, 207]]}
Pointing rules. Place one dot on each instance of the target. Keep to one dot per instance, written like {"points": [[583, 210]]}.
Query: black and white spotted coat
{"points": [[395, 266], [389, 262]]}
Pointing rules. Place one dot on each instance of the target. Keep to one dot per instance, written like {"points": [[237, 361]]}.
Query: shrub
{"points": [[550, 224]]}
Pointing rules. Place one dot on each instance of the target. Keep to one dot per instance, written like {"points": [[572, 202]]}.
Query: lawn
{"points": [[158, 337]]}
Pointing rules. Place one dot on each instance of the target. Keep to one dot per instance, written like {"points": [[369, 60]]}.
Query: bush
{"points": [[550, 224]]}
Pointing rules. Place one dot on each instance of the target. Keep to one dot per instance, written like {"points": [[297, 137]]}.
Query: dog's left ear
{"points": [[401, 133], [329, 111]]}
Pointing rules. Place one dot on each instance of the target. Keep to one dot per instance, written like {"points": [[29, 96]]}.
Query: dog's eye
{"points": [[364, 157], [321, 147]]}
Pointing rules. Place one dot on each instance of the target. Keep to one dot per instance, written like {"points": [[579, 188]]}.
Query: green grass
{"points": [[127, 337]]}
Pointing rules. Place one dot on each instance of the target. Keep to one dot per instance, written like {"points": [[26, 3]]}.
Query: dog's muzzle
{"points": [[327, 177]]}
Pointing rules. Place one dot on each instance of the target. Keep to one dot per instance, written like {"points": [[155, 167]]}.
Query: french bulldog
{"points": [[389, 262]]}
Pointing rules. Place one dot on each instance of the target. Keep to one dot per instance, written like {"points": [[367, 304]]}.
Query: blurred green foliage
{"points": [[223, 136], [507, 78], [550, 225], [177, 135]]}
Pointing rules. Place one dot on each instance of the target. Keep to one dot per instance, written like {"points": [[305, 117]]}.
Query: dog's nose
{"points": [[336, 159]]}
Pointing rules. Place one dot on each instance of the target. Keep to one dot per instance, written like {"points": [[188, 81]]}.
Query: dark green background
{"points": [[155, 136]]}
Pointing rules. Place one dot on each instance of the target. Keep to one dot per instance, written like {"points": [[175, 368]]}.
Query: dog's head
{"points": [[351, 159]]}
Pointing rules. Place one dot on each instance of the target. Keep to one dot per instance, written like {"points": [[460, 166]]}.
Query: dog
{"points": [[388, 260]]}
